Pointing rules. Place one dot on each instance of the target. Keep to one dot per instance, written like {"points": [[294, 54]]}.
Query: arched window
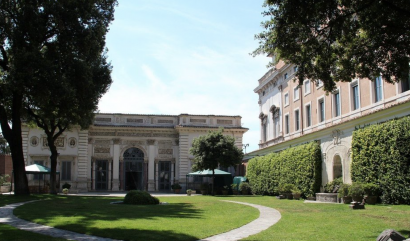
{"points": [[337, 167]]}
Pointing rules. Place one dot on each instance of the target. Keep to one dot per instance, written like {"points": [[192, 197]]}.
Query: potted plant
{"points": [[234, 187], [244, 188], [372, 192], [356, 192], [176, 187], [189, 192], [204, 188], [343, 193], [66, 187], [296, 193], [5, 185], [225, 190]]}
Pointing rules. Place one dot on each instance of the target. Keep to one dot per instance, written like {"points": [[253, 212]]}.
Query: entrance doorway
{"points": [[164, 177], [101, 177], [134, 169]]}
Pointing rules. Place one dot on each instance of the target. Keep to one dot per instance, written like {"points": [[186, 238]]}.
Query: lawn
{"points": [[196, 217]]}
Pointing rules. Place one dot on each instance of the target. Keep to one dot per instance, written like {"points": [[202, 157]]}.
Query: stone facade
{"points": [[123, 151], [291, 114]]}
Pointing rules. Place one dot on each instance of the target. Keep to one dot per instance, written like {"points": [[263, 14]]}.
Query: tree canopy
{"points": [[53, 69], [338, 40], [213, 150]]}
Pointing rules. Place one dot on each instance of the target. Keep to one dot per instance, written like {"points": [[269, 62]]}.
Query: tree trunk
{"points": [[13, 137], [53, 164]]}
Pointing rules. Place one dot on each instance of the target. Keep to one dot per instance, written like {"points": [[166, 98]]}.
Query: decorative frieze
{"points": [[34, 141], [98, 149], [224, 122], [72, 142], [165, 122], [58, 143], [198, 120], [102, 142], [105, 133], [138, 134], [101, 119], [116, 141], [165, 135], [151, 142], [165, 151], [132, 120], [133, 143]]}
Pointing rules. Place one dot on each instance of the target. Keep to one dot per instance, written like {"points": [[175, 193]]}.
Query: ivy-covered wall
{"points": [[381, 155], [300, 165]]}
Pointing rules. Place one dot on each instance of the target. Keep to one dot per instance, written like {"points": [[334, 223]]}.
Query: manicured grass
{"points": [[11, 233], [192, 218], [183, 218]]}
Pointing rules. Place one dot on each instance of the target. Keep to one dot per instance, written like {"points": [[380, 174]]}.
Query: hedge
{"points": [[381, 155], [300, 165]]}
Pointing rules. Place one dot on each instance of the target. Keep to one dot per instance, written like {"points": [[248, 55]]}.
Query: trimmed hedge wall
{"points": [[300, 165], [381, 155]]}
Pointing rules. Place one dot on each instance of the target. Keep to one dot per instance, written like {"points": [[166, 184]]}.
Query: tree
{"points": [[338, 40], [213, 150], [53, 69]]}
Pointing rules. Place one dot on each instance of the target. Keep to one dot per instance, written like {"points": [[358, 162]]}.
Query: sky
{"points": [[185, 56]]}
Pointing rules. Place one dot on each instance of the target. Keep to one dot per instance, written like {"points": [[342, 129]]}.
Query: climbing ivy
{"points": [[300, 165], [381, 155]]}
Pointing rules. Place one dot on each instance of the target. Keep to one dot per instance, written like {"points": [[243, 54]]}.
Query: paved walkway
{"points": [[268, 217]]}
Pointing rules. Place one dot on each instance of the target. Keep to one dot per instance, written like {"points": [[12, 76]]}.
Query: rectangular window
{"points": [[285, 76], [66, 170], [308, 116], [287, 124], [307, 87], [287, 99], [295, 93], [405, 84], [378, 89], [355, 96], [296, 120], [336, 98], [295, 69], [319, 83], [321, 110]]}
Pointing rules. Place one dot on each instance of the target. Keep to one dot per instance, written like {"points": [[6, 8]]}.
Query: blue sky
{"points": [[173, 57]]}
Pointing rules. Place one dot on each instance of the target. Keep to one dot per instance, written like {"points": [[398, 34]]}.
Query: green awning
{"points": [[38, 169], [208, 173]]}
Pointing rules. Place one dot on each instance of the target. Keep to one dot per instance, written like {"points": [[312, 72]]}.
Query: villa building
{"points": [[293, 114], [124, 151]]}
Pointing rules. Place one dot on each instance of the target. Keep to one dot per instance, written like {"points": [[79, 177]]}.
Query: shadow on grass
{"points": [[134, 234], [405, 233], [82, 214], [10, 233]]}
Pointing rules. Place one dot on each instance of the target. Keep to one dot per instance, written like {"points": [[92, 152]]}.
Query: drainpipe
{"points": [[301, 110]]}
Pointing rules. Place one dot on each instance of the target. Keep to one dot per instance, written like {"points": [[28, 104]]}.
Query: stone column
{"points": [[116, 165], [151, 162]]}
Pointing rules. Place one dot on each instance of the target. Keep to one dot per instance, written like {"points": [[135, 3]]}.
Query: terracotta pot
{"points": [[296, 196], [177, 191], [204, 191]]}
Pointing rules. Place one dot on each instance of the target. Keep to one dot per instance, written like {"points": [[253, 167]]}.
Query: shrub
{"points": [[244, 186], [356, 189], [296, 190], [4, 180], [371, 189], [66, 186], [286, 188], [300, 165], [137, 197], [343, 190], [381, 154], [176, 186], [330, 187]]}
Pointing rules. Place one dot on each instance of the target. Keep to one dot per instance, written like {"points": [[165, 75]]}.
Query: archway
{"points": [[133, 170], [337, 167]]}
